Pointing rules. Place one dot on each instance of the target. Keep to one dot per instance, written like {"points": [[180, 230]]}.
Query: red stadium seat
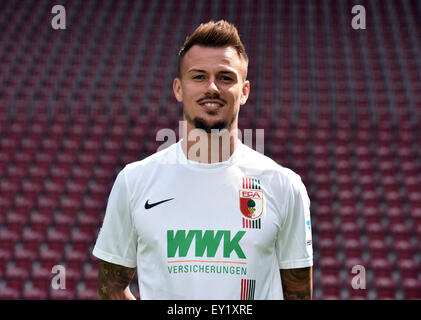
{"points": [[350, 229], [381, 267], [385, 288], [49, 258], [353, 248], [40, 221], [408, 268], [411, 288], [16, 221], [375, 230], [331, 286], [330, 265], [16, 277], [8, 293], [404, 249], [41, 278], [61, 294], [325, 229], [378, 248], [24, 258], [358, 294], [90, 275], [8, 239], [63, 222], [400, 231], [327, 247], [77, 189], [372, 214], [87, 294], [34, 294], [69, 206]]}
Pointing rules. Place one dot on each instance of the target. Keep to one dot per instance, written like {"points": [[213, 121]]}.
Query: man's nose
{"points": [[212, 86]]}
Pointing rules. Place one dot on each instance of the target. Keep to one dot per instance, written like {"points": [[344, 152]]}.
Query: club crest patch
{"points": [[251, 203]]}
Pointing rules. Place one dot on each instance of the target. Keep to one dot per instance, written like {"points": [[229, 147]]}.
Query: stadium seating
{"points": [[339, 106]]}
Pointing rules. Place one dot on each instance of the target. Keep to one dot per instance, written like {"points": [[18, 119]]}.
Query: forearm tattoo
{"points": [[113, 280], [297, 283]]}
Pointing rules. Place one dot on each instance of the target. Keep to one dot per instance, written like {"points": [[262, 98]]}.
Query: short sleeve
{"points": [[293, 245], [117, 239]]}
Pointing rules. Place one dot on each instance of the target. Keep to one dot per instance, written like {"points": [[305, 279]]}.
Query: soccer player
{"points": [[202, 220]]}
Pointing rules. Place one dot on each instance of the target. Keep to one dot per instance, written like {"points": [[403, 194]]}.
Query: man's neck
{"points": [[214, 147]]}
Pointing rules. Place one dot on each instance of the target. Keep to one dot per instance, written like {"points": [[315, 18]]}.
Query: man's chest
{"points": [[223, 218]]}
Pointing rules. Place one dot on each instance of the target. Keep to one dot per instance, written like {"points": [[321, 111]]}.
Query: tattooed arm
{"points": [[114, 281], [297, 284]]}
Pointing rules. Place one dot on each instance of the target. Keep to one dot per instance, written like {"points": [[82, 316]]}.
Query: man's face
{"points": [[212, 87]]}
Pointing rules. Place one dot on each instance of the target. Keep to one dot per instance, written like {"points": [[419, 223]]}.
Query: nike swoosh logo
{"points": [[151, 205]]}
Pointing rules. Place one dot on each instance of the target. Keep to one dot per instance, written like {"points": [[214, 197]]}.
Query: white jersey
{"points": [[207, 231]]}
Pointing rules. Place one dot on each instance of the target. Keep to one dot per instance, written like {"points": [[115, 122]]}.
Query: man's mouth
{"points": [[211, 105]]}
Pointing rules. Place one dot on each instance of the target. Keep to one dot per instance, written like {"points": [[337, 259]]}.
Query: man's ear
{"points": [[245, 92], [178, 91]]}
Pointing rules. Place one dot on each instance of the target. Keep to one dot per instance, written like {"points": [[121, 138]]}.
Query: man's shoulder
{"points": [[163, 156], [263, 163]]}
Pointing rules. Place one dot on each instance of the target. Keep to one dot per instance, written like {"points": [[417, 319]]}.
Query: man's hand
{"points": [[114, 281], [297, 284]]}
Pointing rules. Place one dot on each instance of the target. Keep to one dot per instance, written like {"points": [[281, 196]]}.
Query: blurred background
{"points": [[339, 106]]}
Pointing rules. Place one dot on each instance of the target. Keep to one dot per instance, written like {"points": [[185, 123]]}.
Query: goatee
{"points": [[200, 123]]}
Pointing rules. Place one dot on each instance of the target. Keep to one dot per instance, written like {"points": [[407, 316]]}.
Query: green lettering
{"points": [[208, 241], [180, 241], [231, 245]]}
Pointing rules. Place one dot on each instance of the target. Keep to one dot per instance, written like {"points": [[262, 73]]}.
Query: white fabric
{"points": [[196, 245]]}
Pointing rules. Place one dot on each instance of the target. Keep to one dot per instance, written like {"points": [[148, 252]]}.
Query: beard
{"points": [[200, 123]]}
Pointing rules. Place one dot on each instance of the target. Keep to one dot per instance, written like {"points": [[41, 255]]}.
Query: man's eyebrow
{"points": [[203, 71], [227, 72], [197, 70]]}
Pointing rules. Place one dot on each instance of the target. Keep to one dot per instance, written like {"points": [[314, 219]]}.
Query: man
{"points": [[201, 219]]}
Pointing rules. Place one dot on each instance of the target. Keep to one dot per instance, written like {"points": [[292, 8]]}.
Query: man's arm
{"points": [[114, 281], [297, 284]]}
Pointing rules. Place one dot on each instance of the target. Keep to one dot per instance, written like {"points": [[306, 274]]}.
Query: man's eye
{"points": [[198, 77], [226, 78]]}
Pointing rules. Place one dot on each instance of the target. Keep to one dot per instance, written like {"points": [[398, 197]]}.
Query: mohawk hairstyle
{"points": [[213, 34]]}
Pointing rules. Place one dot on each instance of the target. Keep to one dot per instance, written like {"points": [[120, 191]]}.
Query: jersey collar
{"points": [[181, 157]]}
